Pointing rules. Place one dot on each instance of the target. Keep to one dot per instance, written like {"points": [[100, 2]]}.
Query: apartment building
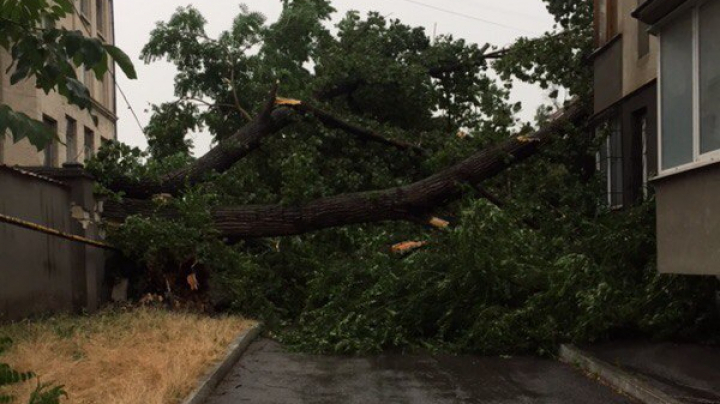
{"points": [[657, 105], [80, 137], [686, 184], [625, 104]]}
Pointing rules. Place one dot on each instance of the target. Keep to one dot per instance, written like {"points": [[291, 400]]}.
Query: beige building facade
{"points": [[79, 136], [625, 100]]}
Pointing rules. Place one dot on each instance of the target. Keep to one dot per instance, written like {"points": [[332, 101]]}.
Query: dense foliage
{"points": [[553, 264]]}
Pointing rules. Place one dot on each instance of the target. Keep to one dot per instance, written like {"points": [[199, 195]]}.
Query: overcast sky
{"points": [[477, 21]]}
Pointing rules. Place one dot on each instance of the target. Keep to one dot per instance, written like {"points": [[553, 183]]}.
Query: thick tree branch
{"points": [[235, 96], [334, 122], [401, 203], [218, 159]]}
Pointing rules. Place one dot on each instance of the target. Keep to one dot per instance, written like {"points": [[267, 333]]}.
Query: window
{"points": [[709, 64], [71, 152], [48, 22], [50, 153], [690, 87], [639, 152], [677, 103], [642, 125], [100, 16], [85, 8], [102, 93], [89, 148], [605, 21], [610, 161]]}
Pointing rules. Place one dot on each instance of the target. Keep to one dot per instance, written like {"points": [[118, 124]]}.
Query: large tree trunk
{"points": [[410, 202]]}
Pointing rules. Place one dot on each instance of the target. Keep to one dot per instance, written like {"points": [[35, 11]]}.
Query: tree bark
{"points": [[408, 202], [401, 203], [334, 122]]}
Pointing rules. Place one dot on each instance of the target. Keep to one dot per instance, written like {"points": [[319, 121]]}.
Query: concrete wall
{"points": [[608, 77], [43, 273], [637, 70], [620, 70], [688, 222], [24, 97]]}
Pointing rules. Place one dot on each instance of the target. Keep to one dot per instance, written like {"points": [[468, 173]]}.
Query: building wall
{"points": [[688, 222], [42, 273], [608, 77], [24, 97], [637, 70], [620, 69], [626, 94]]}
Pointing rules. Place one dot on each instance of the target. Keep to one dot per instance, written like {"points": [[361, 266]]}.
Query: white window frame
{"points": [[699, 159]]}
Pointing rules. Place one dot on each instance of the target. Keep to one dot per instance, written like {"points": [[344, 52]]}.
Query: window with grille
{"points": [[71, 152], [610, 161], [50, 153], [89, 145], [605, 21]]}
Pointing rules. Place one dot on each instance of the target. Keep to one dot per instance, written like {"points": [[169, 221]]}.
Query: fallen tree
{"points": [[413, 202]]}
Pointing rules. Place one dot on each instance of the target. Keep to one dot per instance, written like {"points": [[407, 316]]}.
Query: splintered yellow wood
{"points": [[439, 223], [408, 246], [287, 101], [527, 139]]}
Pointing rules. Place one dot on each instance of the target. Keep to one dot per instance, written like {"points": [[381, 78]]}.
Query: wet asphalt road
{"points": [[267, 374]]}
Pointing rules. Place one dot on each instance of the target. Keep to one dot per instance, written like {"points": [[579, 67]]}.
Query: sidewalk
{"points": [[267, 374], [679, 373]]}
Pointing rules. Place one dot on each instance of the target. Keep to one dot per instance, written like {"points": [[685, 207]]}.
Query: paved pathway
{"points": [[267, 374], [690, 373]]}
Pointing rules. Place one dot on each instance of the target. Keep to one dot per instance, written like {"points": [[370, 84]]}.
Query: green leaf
{"points": [[22, 126], [122, 60], [73, 41]]}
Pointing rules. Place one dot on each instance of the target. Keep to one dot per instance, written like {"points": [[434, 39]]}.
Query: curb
{"points": [[214, 377], [617, 378]]}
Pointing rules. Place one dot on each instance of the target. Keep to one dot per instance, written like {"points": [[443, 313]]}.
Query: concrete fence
{"points": [[39, 272]]}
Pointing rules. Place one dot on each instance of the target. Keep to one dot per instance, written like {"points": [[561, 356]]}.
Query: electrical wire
{"points": [[444, 10]]}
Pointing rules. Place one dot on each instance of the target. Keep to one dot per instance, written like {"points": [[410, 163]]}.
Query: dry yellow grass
{"points": [[138, 356]]}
